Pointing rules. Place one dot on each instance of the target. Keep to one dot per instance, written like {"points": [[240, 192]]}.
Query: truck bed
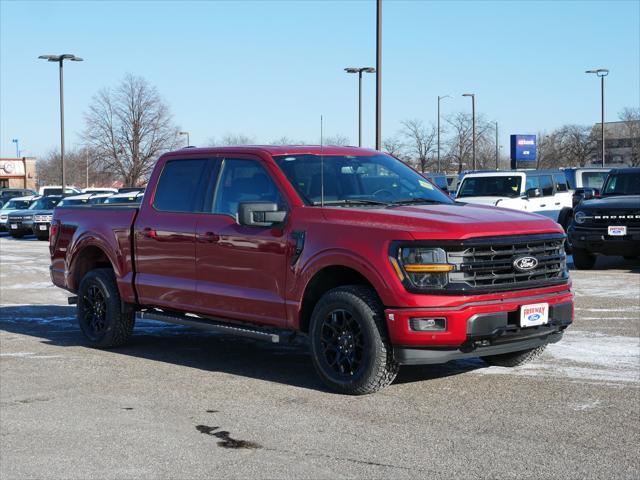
{"points": [[101, 232]]}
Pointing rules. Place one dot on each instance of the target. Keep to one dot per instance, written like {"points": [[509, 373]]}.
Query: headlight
{"points": [[422, 268], [580, 217], [4, 217]]}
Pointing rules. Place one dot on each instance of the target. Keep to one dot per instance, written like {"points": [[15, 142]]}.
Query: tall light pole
{"points": [[378, 74], [16, 141], [497, 147], [60, 60], [473, 120], [187, 134], [601, 72], [440, 98], [359, 71]]}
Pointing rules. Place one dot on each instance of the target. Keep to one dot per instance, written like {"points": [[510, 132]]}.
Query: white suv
{"points": [[537, 191]]}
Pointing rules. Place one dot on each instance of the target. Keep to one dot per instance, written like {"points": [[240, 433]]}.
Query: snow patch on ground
{"points": [[619, 287], [584, 356]]}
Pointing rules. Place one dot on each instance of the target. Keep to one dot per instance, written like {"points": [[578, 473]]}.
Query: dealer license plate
{"points": [[615, 231], [534, 314], [43, 227], [14, 226]]}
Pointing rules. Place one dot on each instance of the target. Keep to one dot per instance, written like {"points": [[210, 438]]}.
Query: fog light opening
{"points": [[422, 324]]}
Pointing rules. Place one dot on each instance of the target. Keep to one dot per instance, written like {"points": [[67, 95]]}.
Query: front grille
{"points": [[20, 218], [43, 218], [489, 264], [615, 218]]}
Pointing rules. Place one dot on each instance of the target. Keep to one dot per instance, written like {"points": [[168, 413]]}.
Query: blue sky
{"points": [[270, 68]]}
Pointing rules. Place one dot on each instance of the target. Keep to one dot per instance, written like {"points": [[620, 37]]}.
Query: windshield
{"points": [[622, 184], [498, 186], [376, 179], [45, 203], [593, 179], [16, 205], [123, 200], [73, 201]]}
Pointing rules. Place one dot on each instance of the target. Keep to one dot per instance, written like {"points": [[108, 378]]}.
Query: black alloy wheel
{"points": [[342, 342], [95, 312]]}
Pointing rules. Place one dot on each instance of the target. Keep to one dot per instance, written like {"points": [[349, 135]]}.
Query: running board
{"points": [[215, 325]]}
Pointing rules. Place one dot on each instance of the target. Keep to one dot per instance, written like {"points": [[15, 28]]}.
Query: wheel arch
{"points": [[331, 272]]}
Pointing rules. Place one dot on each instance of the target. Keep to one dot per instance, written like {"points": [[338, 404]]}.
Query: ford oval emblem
{"points": [[525, 264]]}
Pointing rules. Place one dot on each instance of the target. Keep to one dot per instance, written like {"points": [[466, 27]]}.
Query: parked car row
{"points": [[31, 214]]}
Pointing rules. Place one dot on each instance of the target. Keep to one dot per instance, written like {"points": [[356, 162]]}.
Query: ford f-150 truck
{"points": [[348, 246]]}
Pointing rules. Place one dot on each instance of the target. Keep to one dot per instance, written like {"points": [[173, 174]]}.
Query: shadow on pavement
{"points": [[604, 262], [288, 364]]}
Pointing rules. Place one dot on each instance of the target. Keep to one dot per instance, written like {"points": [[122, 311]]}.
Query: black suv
{"points": [[21, 223], [610, 223]]}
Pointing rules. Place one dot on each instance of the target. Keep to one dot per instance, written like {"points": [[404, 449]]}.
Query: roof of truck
{"points": [[282, 150]]}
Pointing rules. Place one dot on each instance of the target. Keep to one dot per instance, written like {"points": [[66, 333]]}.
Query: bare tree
{"points": [[420, 142], [232, 139], [631, 120], [284, 140], [549, 150], [338, 140], [79, 164], [128, 128], [577, 144], [460, 142], [394, 146]]}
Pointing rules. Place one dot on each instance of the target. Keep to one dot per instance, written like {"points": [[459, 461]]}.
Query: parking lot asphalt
{"points": [[183, 403]]}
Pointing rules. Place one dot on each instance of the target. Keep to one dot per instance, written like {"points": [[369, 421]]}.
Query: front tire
{"points": [[103, 321], [514, 359], [583, 259], [350, 347]]}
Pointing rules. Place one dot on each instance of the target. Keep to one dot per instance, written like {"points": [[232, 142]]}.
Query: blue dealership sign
{"points": [[523, 148]]}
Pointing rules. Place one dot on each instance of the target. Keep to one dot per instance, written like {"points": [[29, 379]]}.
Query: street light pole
{"points": [[473, 120], [60, 60], [601, 72], [359, 71], [497, 152], [187, 134], [378, 73], [16, 141], [440, 98]]}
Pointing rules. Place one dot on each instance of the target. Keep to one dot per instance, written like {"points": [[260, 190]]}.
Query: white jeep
{"points": [[545, 192]]}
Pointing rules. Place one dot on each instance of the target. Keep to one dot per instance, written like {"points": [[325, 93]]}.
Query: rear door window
{"points": [[593, 179], [532, 182], [561, 182], [180, 187], [546, 184]]}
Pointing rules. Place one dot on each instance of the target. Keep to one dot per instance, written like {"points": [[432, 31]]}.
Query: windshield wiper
{"points": [[352, 201], [409, 201]]}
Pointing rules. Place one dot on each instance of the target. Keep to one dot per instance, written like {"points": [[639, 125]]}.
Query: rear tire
{"points": [[103, 321], [514, 359], [583, 259], [350, 347]]}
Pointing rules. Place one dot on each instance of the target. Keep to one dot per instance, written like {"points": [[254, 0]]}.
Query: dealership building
{"points": [[622, 143], [18, 173]]}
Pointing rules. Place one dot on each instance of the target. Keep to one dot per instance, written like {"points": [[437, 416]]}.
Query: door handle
{"points": [[149, 232], [543, 204], [210, 237], [557, 203]]}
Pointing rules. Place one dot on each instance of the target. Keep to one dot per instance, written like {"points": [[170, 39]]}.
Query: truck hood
{"points": [[446, 221], [617, 202]]}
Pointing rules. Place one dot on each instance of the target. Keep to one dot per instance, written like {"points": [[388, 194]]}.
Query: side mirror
{"points": [[260, 214], [588, 193], [533, 192]]}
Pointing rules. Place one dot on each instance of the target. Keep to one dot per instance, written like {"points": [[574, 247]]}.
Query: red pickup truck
{"points": [[349, 246]]}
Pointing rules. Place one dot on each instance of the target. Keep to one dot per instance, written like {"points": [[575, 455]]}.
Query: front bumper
{"points": [[41, 228], [21, 228], [477, 328], [597, 240]]}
